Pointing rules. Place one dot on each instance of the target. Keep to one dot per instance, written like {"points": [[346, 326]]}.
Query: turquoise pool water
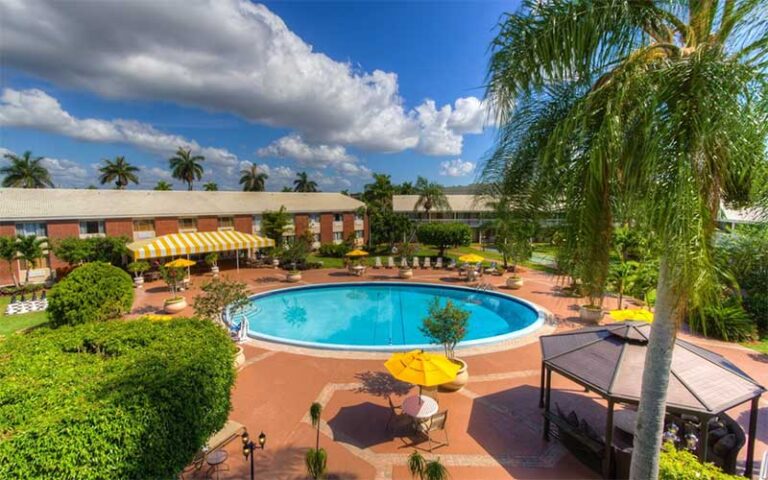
{"points": [[379, 316]]}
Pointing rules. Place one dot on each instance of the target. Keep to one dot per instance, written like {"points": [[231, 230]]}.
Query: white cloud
{"points": [[240, 57], [293, 147], [456, 168]]}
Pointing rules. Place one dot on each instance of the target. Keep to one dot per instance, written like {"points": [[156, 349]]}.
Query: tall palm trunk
{"points": [[13, 273], [653, 394]]}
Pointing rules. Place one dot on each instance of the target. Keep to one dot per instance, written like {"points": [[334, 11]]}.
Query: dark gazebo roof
{"points": [[609, 360]]}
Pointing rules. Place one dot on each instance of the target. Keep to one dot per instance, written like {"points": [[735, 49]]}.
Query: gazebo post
{"points": [[749, 466], [608, 441], [541, 387], [704, 441], [547, 396]]}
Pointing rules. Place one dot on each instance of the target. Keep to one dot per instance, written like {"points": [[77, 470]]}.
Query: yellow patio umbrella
{"points": [[471, 258], [180, 263], [357, 253], [632, 314], [422, 368]]}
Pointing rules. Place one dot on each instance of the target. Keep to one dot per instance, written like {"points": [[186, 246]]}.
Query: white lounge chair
{"points": [[452, 265], [427, 262], [415, 262], [377, 263], [390, 262], [439, 263]]}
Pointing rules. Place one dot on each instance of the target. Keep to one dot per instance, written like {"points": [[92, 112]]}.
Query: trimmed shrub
{"points": [[93, 292], [333, 250], [129, 400], [727, 322], [682, 465], [444, 235]]}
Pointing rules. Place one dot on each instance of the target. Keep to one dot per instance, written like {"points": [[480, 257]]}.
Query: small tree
{"points": [[444, 235], [8, 253], [317, 457], [273, 224], [211, 259], [73, 250], [426, 470], [172, 276], [137, 268], [445, 325], [107, 249], [217, 296], [30, 249]]}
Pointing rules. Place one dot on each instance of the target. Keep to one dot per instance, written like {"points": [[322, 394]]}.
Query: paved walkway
{"points": [[494, 426]]}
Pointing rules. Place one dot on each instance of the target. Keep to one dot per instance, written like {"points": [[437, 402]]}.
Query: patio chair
{"points": [[390, 262], [435, 423], [415, 262], [377, 263], [427, 262], [396, 415], [452, 265], [492, 268]]}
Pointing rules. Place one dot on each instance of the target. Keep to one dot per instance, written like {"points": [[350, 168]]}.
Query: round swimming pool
{"points": [[380, 316]]}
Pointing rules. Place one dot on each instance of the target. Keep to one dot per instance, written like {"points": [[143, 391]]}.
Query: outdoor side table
{"points": [[215, 459], [420, 407]]}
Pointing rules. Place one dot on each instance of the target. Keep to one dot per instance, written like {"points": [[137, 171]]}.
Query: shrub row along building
{"points": [[141, 215]]}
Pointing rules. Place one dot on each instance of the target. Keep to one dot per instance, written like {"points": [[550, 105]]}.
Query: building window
{"points": [[30, 228], [226, 223], [337, 236], [315, 238], [337, 217], [358, 216], [187, 225], [256, 223], [358, 234], [314, 218], [143, 225], [92, 227]]}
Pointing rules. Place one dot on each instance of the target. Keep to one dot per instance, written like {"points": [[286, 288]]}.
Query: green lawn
{"points": [[12, 323], [760, 346]]}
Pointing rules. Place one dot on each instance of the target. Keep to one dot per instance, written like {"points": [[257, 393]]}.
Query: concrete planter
{"points": [[275, 263], [590, 314], [239, 357], [215, 270], [461, 378], [138, 282], [293, 277], [406, 273], [514, 282], [175, 305]]}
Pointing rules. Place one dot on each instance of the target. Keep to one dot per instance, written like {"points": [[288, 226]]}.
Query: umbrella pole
{"points": [[237, 260]]}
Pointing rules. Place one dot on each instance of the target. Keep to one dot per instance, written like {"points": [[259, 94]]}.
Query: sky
{"points": [[337, 89]]}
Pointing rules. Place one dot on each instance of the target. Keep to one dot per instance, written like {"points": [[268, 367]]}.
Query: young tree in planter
{"points": [[8, 253], [316, 459], [513, 226], [444, 235], [446, 325], [211, 260], [172, 277], [426, 470], [219, 294], [137, 268]]}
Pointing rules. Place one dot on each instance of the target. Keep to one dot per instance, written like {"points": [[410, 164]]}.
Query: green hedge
{"points": [[682, 465], [444, 235], [92, 292], [127, 400], [333, 250]]}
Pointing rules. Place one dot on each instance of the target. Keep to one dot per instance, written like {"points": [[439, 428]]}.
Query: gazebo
{"points": [[609, 359]]}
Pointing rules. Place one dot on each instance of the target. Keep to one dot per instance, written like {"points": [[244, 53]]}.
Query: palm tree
{"points": [[186, 167], [252, 179], [25, 172], [647, 109], [211, 187], [303, 183], [422, 469], [30, 249], [431, 196], [8, 253], [163, 186], [286, 189], [316, 458], [120, 171]]}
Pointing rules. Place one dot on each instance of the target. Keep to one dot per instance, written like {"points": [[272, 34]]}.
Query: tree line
{"points": [[28, 171]]}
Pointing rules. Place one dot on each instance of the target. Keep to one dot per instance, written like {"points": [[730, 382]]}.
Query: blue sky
{"points": [[336, 89]]}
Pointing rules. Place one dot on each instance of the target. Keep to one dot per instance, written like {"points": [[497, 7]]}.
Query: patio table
{"points": [[215, 459], [420, 406]]}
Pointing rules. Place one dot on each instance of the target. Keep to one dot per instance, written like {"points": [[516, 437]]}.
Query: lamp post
{"points": [[249, 446]]}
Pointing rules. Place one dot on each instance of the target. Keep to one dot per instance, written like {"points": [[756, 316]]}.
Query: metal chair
{"points": [[435, 423], [396, 414]]}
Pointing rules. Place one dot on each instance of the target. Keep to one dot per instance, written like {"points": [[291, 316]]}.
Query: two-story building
{"points": [[469, 209], [140, 215]]}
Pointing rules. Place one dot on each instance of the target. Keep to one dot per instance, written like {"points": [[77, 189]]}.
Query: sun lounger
{"points": [[377, 263], [439, 263], [415, 262], [427, 262], [452, 265]]}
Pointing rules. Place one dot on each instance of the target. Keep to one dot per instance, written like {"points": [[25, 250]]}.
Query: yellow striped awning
{"points": [[198, 242]]}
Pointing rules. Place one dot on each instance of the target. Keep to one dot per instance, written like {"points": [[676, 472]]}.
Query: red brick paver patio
{"points": [[494, 423]]}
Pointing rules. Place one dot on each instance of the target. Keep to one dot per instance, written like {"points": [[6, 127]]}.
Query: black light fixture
{"points": [[249, 446]]}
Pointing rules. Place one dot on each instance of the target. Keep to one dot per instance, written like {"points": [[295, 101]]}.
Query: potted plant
{"points": [[406, 250], [138, 269], [405, 272], [447, 325], [316, 459], [514, 281], [211, 259], [293, 276], [172, 277]]}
